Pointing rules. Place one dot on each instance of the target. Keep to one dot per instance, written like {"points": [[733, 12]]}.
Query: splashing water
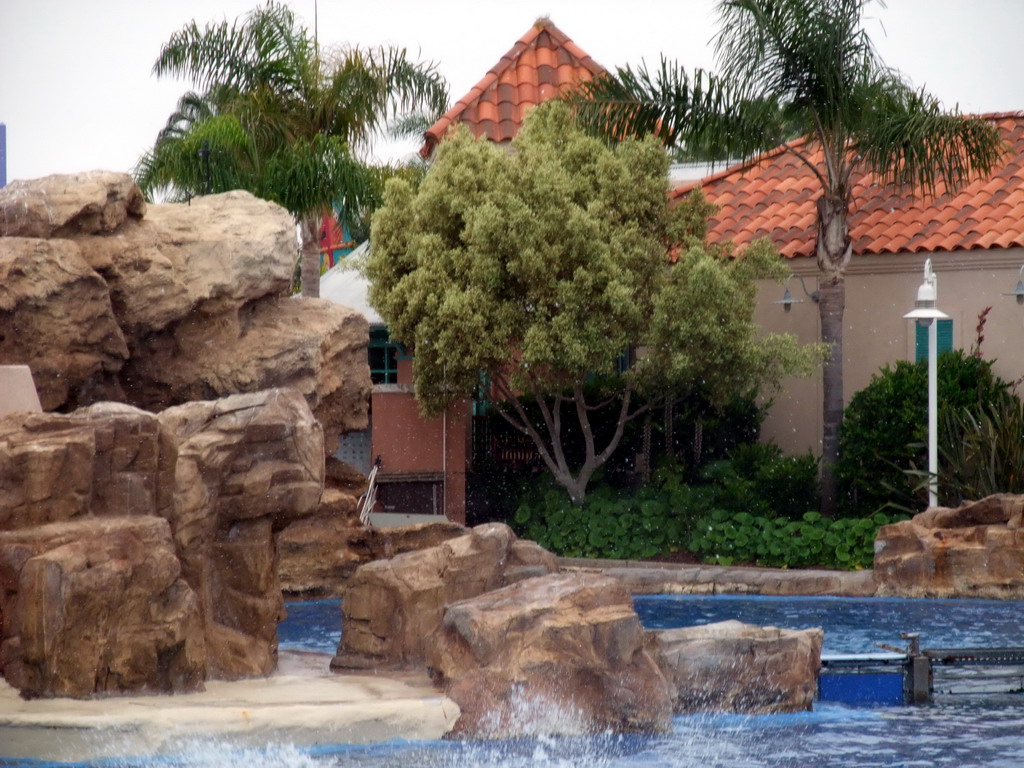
{"points": [[960, 731]]}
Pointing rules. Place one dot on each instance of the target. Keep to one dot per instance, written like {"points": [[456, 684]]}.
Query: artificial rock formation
{"points": [[390, 608], [974, 550], [561, 653], [318, 555], [62, 206], [107, 460], [56, 318], [735, 667], [226, 475], [97, 606], [108, 299], [245, 465]]}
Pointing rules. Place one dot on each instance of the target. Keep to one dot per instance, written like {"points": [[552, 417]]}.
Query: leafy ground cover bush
{"points": [[610, 524], [730, 537], [750, 508]]}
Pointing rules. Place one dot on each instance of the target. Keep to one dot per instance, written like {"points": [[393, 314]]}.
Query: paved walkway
{"points": [[644, 577], [302, 703]]}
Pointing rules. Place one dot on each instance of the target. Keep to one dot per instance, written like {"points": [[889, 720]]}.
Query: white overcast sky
{"points": [[76, 91]]}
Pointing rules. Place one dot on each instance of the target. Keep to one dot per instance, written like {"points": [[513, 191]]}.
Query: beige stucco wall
{"points": [[879, 291]]}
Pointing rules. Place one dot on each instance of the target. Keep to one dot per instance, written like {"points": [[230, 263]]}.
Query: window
{"points": [[383, 357], [945, 339]]}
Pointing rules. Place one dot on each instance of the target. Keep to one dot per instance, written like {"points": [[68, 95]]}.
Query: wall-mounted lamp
{"points": [[787, 301], [1019, 290]]}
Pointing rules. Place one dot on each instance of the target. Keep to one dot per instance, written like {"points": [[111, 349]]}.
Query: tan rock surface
{"points": [[189, 303], [215, 255], [56, 318], [569, 644], [319, 554], [974, 550], [64, 205], [736, 667], [391, 607], [226, 474], [313, 346], [105, 460], [97, 606], [245, 466]]}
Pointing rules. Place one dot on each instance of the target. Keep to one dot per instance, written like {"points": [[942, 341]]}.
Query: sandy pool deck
{"points": [[303, 703]]}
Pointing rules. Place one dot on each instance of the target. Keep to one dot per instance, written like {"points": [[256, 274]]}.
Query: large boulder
{"points": [[245, 466], [62, 206], [217, 254], [106, 460], [555, 653], [735, 667], [226, 474], [310, 345], [319, 554], [391, 607], [190, 302], [974, 550], [56, 317], [97, 606]]}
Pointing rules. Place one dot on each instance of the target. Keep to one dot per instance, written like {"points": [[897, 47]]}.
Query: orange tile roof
{"points": [[775, 196], [538, 67]]}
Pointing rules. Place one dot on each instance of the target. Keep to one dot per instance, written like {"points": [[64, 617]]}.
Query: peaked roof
{"points": [[538, 67], [774, 196]]}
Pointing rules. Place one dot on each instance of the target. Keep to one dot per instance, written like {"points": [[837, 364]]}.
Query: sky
{"points": [[77, 93]]}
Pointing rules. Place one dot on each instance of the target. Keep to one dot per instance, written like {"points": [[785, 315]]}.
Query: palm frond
{"points": [[699, 111], [369, 87], [177, 168], [806, 52], [307, 177], [257, 48], [410, 125], [908, 139]]}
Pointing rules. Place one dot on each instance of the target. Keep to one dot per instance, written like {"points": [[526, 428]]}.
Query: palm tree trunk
{"points": [[833, 252], [831, 307], [310, 257]]}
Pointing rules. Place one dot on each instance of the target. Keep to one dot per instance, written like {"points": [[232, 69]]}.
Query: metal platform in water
{"points": [[990, 657], [895, 678]]}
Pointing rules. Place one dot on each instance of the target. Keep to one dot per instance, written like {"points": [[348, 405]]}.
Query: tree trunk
{"points": [[833, 249], [309, 227], [831, 306]]}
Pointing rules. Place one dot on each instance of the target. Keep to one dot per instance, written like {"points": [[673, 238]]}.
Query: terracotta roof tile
{"points": [[541, 64], [776, 194]]}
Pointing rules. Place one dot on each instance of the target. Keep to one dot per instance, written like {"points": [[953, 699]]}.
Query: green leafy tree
{"points": [[542, 266], [279, 118], [802, 68]]}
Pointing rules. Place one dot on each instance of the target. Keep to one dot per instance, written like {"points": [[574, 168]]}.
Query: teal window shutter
{"points": [[945, 339]]}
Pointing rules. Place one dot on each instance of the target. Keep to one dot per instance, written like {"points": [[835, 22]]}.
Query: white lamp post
{"points": [[927, 314]]}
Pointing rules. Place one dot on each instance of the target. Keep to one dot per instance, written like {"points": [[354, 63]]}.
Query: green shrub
{"points": [[982, 451], [660, 517], [757, 478], [609, 524], [885, 428], [726, 538]]}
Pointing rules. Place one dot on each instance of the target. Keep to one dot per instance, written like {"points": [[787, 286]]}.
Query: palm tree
{"points": [[277, 117], [806, 69]]}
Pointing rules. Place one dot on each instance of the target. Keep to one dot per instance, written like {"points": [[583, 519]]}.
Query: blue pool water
{"points": [[852, 625], [957, 732]]}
